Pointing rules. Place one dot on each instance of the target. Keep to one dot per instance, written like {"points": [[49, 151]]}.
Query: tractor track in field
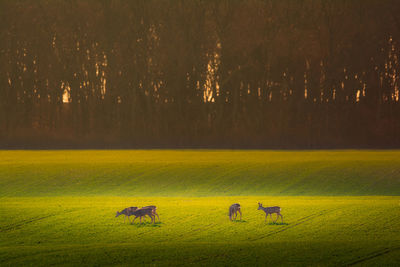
{"points": [[9, 260], [30, 220], [196, 230], [24, 222], [372, 255], [197, 261], [188, 233], [298, 222]]}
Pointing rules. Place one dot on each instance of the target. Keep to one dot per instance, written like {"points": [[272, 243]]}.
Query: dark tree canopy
{"points": [[197, 73]]}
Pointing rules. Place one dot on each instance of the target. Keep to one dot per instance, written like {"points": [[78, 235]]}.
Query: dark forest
{"points": [[277, 74]]}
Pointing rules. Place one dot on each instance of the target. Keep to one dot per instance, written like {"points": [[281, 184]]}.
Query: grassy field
{"points": [[339, 207], [199, 173]]}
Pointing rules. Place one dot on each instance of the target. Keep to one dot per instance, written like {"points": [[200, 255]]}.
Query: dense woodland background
{"points": [[229, 74]]}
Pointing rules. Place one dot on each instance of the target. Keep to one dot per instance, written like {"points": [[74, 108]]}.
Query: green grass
{"points": [[317, 230], [339, 207], [199, 173]]}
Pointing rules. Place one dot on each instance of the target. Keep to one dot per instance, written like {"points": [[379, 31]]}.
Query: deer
{"points": [[233, 210], [154, 209], [127, 212], [270, 210], [142, 213]]}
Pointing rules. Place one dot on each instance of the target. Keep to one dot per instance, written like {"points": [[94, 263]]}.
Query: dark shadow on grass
{"points": [[239, 221], [146, 224], [277, 223]]}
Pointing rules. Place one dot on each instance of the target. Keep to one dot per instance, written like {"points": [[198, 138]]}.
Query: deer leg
{"points": [[157, 216], [240, 214], [281, 217], [270, 215], [133, 220], [266, 216]]}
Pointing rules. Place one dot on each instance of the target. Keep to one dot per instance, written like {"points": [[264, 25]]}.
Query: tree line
{"points": [[199, 73]]}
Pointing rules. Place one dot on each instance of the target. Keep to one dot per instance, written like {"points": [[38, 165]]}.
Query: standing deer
{"points": [[154, 209], [233, 210], [127, 212], [142, 213], [270, 210]]}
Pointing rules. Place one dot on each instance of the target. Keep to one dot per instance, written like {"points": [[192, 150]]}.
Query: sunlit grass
{"points": [[336, 230], [198, 173], [58, 207]]}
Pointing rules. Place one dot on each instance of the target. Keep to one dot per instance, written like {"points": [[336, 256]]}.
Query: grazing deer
{"points": [[127, 212], [233, 210], [154, 209], [143, 212], [270, 210]]}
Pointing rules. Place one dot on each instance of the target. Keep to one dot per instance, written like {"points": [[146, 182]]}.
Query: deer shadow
{"points": [[239, 221], [146, 224], [277, 223]]}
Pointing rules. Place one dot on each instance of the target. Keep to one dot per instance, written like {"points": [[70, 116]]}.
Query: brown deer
{"points": [[127, 212], [270, 210], [142, 213], [233, 210], [154, 209]]}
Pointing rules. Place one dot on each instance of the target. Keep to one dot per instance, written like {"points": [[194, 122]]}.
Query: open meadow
{"points": [[339, 207]]}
